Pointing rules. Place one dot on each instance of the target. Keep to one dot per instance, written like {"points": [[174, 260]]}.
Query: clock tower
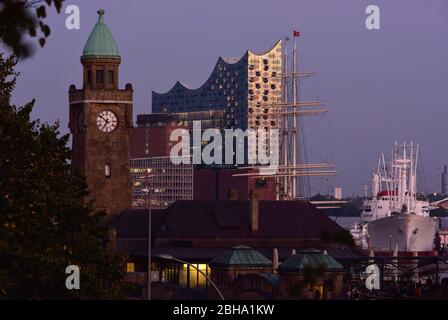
{"points": [[100, 121]]}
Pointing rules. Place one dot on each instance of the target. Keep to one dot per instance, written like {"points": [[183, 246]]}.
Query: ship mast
{"points": [[285, 127], [403, 175], [294, 171], [294, 133]]}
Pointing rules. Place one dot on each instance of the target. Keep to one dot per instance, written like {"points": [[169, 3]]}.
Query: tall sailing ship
{"points": [[294, 170], [395, 215]]}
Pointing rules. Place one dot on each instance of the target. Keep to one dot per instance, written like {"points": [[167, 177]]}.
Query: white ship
{"points": [[395, 216]]}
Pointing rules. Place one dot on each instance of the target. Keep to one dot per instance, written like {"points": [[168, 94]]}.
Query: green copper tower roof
{"points": [[242, 256], [101, 44], [310, 258]]}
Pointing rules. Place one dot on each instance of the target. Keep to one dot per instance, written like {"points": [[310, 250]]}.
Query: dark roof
{"points": [[242, 256], [185, 253], [278, 219], [133, 223], [310, 258], [154, 119]]}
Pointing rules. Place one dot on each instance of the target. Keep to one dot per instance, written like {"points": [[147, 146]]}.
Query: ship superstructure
{"points": [[396, 215]]}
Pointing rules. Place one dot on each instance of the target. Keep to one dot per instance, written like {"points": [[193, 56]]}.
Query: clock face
{"points": [[107, 121]]}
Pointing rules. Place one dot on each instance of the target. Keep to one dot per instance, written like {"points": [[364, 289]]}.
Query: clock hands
{"points": [[107, 121]]}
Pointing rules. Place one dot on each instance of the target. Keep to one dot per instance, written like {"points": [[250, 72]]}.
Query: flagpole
{"points": [[294, 118]]}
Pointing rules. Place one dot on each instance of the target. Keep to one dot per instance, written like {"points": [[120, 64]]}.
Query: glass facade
{"points": [[168, 182], [244, 89]]}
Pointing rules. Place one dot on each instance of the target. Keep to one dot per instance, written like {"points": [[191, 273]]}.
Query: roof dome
{"points": [[242, 256], [101, 43], [310, 258]]}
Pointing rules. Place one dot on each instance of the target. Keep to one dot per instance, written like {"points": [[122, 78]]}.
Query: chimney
{"points": [[254, 212], [275, 262], [232, 194]]}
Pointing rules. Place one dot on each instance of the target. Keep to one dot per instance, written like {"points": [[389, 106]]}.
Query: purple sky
{"points": [[381, 85]]}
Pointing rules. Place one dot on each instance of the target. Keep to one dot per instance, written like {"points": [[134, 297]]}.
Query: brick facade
{"points": [[94, 149]]}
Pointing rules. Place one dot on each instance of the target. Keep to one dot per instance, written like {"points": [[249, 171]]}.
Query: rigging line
{"points": [[310, 94], [317, 154], [312, 123], [327, 140], [303, 155], [321, 182], [310, 84], [424, 186], [329, 137], [310, 135], [316, 85], [304, 61]]}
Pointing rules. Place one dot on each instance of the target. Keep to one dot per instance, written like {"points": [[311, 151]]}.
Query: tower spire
{"points": [[101, 13], [101, 43], [101, 57]]}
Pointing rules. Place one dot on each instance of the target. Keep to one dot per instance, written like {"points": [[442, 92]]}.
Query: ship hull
{"points": [[410, 232]]}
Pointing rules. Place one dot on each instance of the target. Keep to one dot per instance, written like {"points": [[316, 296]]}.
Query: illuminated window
{"points": [[202, 280], [193, 277], [130, 267], [107, 172]]}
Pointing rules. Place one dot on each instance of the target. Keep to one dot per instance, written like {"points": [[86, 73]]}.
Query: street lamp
{"points": [[390, 242], [147, 192], [169, 257]]}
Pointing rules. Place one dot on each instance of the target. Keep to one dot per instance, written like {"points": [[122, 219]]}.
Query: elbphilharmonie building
{"points": [[241, 92]]}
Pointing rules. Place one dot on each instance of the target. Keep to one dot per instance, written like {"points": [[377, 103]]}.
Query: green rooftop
{"points": [[242, 256], [101, 43], [310, 258]]}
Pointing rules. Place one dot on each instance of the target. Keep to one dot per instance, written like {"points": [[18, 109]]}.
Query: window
{"points": [[202, 280], [111, 77], [99, 76], [89, 76], [107, 172], [130, 267], [193, 277], [189, 277]]}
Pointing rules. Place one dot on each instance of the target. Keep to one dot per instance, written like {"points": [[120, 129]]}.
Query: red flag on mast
{"points": [[296, 33]]}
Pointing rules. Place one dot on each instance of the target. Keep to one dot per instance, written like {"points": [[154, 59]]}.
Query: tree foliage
{"points": [[21, 18], [45, 224]]}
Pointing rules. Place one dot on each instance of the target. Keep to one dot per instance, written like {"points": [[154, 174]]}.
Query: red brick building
{"points": [[214, 183], [151, 137], [203, 231]]}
